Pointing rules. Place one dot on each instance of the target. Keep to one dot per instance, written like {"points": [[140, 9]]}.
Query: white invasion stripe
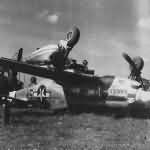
{"points": [[42, 53], [45, 52], [48, 47]]}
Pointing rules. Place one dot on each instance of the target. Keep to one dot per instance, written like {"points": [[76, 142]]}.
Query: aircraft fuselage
{"points": [[106, 90]]}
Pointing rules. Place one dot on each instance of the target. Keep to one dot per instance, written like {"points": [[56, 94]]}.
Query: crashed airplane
{"points": [[78, 85]]}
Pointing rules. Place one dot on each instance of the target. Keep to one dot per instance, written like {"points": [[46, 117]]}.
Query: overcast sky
{"points": [[108, 27]]}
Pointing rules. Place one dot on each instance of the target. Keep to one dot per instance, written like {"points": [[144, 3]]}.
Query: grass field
{"points": [[75, 131]]}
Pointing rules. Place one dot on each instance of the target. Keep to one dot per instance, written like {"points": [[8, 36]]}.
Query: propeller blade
{"points": [[129, 60]]}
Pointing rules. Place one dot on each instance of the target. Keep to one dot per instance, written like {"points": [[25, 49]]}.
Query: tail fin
{"points": [[18, 55]]}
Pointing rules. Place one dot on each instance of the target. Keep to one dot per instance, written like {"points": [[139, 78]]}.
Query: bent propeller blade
{"points": [[129, 60]]}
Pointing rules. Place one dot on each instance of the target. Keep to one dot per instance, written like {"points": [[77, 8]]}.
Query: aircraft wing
{"points": [[60, 77]]}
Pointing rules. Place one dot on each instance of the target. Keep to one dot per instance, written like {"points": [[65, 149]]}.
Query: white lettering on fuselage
{"points": [[34, 93], [117, 92], [122, 87]]}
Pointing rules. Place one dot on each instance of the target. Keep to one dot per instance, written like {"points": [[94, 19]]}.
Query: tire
{"points": [[73, 36]]}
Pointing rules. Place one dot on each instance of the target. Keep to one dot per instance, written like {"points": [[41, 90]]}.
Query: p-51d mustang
{"points": [[79, 84]]}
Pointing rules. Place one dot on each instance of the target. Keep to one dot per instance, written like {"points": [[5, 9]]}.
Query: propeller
{"points": [[136, 65]]}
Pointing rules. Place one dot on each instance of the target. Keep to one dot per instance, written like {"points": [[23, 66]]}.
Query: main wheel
{"points": [[73, 36]]}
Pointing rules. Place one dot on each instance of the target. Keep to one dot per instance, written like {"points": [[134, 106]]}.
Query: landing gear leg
{"points": [[6, 113]]}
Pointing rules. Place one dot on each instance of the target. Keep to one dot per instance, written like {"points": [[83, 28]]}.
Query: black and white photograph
{"points": [[74, 74]]}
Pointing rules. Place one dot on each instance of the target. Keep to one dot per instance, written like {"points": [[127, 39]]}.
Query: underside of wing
{"points": [[61, 77]]}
